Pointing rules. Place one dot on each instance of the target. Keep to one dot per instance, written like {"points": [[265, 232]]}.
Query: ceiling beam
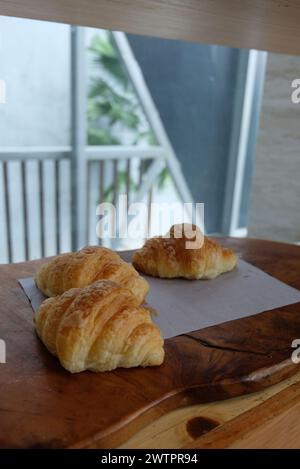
{"points": [[272, 25]]}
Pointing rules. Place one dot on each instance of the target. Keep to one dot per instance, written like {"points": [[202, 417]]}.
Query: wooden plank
{"points": [[271, 424], [271, 25], [194, 426], [56, 409]]}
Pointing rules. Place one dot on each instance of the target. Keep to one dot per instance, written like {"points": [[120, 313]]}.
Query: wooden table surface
{"points": [[191, 400]]}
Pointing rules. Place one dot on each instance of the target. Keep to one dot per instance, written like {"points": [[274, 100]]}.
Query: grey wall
{"points": [[35, 63], [275, 196], [193, 88]]}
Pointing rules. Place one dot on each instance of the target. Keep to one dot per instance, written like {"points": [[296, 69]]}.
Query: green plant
{"points": [[112, 103], [121, 183], [113, 106]]}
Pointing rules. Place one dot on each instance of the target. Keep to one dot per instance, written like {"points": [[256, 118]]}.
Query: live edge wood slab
{"points": [[43, 406]]}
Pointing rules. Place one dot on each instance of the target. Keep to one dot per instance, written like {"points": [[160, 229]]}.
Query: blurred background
{"points": [[90, 114]]}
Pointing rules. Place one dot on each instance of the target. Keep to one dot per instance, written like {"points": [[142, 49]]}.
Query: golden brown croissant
{"points": [[99, 328], [168, 257], [92, 263]]}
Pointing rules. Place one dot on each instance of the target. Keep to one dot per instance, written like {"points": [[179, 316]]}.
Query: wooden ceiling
{"points": [[272, 25]]}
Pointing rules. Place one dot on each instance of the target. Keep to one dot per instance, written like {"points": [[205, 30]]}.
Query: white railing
{"points": [[36, 194], [48, 195]]}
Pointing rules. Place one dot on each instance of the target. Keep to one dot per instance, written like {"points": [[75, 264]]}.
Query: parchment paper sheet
{"points": [[189, 305]]}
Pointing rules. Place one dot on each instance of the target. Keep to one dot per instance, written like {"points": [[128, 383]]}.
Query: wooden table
{"points": [[200, 397]]}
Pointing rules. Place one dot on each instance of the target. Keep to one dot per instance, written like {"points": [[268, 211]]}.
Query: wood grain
{"points": [[44, 406], [271, 25], [274, 423], [173, 430]]}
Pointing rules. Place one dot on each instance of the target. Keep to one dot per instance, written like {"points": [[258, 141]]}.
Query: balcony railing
{"points": [[48, 195], [36, 194]]}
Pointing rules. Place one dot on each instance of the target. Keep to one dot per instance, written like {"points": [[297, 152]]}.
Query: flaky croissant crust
{"points": [[99, 328], [168, 257], [82, 268]]}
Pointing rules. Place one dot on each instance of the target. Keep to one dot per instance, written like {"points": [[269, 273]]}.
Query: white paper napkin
{"points": [[189, 305]]}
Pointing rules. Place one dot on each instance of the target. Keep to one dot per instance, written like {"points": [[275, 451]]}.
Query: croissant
{"points": [[169, 257], [99, 328], [92, 263]]}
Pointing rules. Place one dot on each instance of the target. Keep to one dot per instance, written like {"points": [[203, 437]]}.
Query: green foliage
{"points": [[97, 135], [113, 105], [106, 55], [163, 178], [112, 101], [121, 183]]}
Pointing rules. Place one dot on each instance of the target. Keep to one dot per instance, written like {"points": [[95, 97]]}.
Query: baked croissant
{"points": [[169, 257], [99, 328], [92, 263]]}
